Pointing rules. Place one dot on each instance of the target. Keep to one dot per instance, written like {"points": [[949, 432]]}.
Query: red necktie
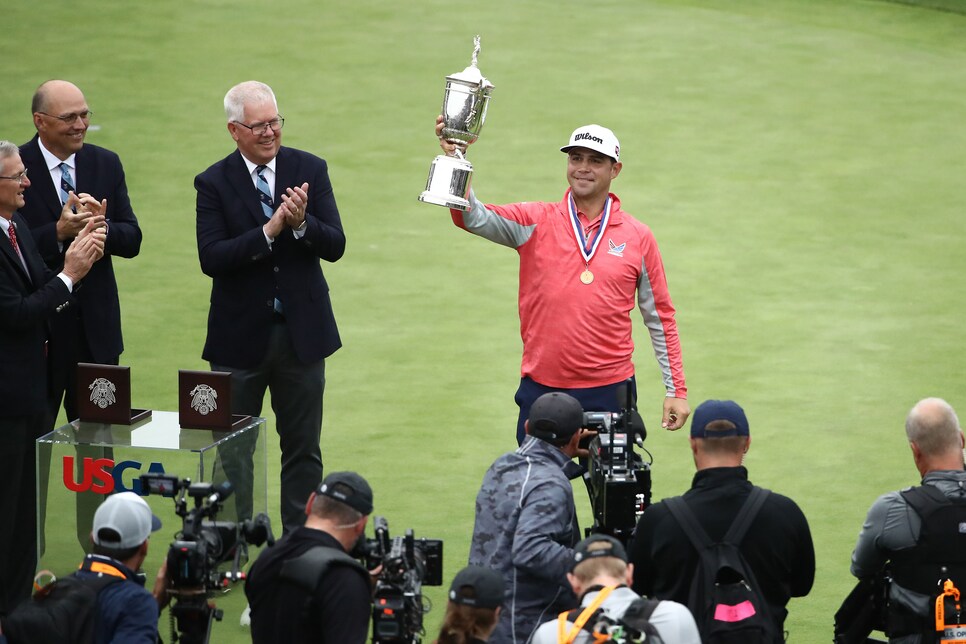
{"points": [[13, 239]]}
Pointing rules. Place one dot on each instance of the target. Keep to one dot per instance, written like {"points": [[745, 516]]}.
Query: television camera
{"points": [[195, 558], [618, 480], [407, 565]]}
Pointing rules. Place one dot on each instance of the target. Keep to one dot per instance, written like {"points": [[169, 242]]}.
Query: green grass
{"points": [[799, 161]]}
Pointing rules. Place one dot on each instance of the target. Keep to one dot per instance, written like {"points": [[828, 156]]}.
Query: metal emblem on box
{"points": [[204, 401], [104, 395]]}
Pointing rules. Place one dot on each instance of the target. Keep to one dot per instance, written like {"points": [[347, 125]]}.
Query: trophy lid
{"points": [[472, 74]]}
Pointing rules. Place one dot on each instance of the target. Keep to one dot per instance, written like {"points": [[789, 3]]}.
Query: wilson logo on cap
{"points": [[586, 136]]}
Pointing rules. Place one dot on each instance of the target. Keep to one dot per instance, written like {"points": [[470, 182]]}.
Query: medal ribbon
{"points": [[578, 229]]}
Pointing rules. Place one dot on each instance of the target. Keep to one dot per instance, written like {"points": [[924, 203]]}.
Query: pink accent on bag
{"points": [[736, 613]]}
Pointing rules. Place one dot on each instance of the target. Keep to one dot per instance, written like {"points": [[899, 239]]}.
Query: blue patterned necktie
{"points": [[266, 198], [264, 195], [66, 182]]}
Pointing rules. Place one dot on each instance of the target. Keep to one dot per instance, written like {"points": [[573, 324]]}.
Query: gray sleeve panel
{"points": [[648, 306], [486, 223]]}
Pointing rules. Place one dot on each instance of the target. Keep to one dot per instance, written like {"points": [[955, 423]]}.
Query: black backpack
{"points": [[725, 599], [63, 612], [633, 626]]}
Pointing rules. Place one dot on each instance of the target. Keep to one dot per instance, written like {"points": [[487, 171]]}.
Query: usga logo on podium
{"points": [[103, 476]]}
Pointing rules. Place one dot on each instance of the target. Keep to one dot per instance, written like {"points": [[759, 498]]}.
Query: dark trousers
{"points": [[296, 392], [607, 398], [18, 507]]}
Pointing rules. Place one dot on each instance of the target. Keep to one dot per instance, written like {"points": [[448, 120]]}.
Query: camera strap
{"points": [[565, 636]]}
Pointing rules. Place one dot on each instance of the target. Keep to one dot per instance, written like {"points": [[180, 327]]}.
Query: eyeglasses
{"points": [[19, 178], [261, 129], [70, 118]]}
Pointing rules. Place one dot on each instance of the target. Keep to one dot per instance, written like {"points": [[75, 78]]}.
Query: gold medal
{"points": [[587, 277]]}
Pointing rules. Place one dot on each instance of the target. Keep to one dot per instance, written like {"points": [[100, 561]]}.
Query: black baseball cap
{"points": [[349, 488], [487, 585], [555, 416], [613, 548]]}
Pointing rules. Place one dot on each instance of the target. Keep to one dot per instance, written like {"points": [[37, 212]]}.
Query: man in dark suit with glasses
{"points": [[266, 216]]}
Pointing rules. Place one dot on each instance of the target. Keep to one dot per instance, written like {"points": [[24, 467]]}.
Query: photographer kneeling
{"points": [[306, 588]]}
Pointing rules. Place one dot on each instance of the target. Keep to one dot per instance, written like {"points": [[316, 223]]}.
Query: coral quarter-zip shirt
{"points": [[575, 334]]}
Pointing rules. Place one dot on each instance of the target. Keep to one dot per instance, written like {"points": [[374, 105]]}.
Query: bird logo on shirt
{"points": [[614, 249]]}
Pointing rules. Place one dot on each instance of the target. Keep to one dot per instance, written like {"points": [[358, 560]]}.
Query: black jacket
{"points": [[338, 612], [778, 546]]}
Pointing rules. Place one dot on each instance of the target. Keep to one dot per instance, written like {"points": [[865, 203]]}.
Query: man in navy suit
{"points": [[30, 295], [72, 182], [266, 216], [59, 163]]}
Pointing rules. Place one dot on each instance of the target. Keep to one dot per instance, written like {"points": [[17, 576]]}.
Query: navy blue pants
{"points": [[604, 398]]}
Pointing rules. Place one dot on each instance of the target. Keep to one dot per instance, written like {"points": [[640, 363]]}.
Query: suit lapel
{"points": [[284, 173], [241, 181], [41, 185], [35, 263], [84, 172], [7, 249]]}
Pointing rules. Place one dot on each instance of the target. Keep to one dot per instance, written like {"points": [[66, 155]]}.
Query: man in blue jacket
{"points": [[126, 610], [526, 525]]}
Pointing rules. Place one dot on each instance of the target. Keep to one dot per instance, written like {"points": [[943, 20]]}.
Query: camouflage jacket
{"points": [[526, 528]]}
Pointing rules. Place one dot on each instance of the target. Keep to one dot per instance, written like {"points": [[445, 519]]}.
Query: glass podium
{"points": [[78, 464]]}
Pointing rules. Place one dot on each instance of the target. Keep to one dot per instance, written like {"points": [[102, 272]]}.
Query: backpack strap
{"points": [[689, 523], [746, 515], [924, 499], [640, 610], [739, 526]]}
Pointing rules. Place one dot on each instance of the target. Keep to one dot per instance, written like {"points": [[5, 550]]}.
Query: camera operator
{"points": [[306, 588], [526, 525], [905, 528]]}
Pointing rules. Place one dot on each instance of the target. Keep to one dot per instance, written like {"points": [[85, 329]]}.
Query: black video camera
{"points": [[200, 548], [618, 480], [407, 565]]}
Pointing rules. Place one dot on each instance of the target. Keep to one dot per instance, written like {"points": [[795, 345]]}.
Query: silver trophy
{"points": [[464, 111]]}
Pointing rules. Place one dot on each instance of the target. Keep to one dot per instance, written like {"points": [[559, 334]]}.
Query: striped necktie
{"points": [[264, 194], [66, 183]]}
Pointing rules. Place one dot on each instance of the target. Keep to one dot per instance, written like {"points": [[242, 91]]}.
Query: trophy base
{"points": [[448, 184]]}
